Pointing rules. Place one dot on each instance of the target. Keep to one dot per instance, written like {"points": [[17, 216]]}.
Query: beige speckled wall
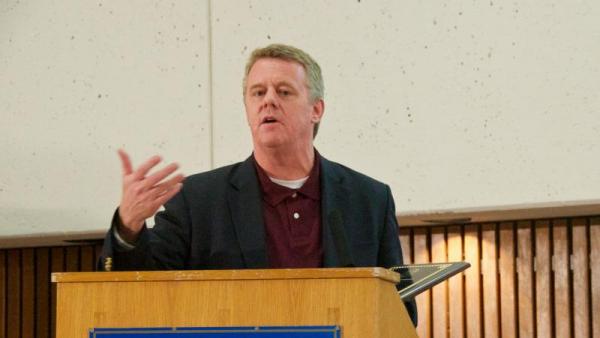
{"points": [[78, 79], [455, 104]]}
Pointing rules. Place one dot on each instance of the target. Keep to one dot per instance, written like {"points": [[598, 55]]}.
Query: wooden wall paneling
{"points": [[473, 325], [87, 258], [28, 293], [72, 258], [595, 274], [526, 293], [506, 268], [13, 289], [562, 298], [421, 255], [581, 278], [3, 293], [42, 299], [543, 270], [489, 270], [57, 264], [456, 299], [439, 293], [405, 243]]}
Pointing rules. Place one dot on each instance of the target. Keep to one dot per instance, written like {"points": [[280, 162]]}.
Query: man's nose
{"points": [[270, 98]]}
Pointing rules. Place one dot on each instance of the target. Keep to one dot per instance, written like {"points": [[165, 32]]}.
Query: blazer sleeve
{"points": [[390, 251], [164, 247]]}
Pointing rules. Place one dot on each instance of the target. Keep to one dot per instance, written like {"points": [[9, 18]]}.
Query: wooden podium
{"points": [[362, 301]]}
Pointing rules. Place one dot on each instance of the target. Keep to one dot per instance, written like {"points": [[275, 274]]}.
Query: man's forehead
{"points": [[276, 66]]}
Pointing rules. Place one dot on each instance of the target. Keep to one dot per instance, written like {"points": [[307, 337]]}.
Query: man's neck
{"points": [[285, 164]]}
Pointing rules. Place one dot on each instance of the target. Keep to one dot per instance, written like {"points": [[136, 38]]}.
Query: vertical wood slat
{"points": [[57, 265], [562, 299], [13, 327], [455, 285], [581, 304], [543, 268], [526, 292], [404, 235], [439, 293], [3, 293], [490, 281], [42, 315], [595, 274], [506, 268], [472, 283], [87, 258], [28, 293], [72, 258], [421, 255]]}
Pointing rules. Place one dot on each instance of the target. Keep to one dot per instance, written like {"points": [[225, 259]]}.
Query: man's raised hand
{"points": [[143, 194]]}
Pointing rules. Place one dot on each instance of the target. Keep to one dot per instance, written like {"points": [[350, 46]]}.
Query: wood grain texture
{"points": [[28, 293], [489, 269], [525, 279], [365, 307], [219, 275], [581, 278], [13, 317], [72, 258], [473, 299], [439, 293], [405, 242], [3, 293], [42, 298], [562, 298], [543, 270], [506, 268], [57, 264], [421, 255], [456, 299], [595, 274], [87, 259]]}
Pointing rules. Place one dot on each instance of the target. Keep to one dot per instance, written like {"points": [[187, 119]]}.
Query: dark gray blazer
{"points": [[216, 222]]}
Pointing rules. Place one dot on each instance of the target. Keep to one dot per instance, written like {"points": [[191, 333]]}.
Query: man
{"points": [[283, 207]]}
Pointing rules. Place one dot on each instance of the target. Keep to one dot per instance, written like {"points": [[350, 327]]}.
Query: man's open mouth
{"points": [[269, 119]]}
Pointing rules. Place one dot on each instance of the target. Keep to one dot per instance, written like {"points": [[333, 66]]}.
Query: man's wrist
{"points": [[124, 232]]}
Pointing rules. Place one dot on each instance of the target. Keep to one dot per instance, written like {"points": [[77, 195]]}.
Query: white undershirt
{"points": [[292, 184]]}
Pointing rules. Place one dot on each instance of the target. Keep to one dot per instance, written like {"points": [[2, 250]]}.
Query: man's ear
{"points": [[318, 110]]}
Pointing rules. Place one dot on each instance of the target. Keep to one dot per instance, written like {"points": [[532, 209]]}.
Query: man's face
{"points": [[278, 105]]}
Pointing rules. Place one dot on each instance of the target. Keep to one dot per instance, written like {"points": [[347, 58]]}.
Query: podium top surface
{"points": [[246, 274]]}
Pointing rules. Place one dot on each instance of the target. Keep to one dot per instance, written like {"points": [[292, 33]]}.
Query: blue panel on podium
{"points": [[220, 332]]}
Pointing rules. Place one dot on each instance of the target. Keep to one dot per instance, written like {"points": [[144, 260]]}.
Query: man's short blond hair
{"points": [[289, 53]]}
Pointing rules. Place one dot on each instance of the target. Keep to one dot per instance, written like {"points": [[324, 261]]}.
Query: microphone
{"points": [[336, 223]]}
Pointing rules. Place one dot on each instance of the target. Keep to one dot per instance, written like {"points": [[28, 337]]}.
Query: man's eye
{"points": [[258, 93], [284, 92]]}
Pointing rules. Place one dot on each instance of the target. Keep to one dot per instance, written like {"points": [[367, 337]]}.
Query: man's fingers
{"points": [[162, 188], [125, 162], [161, 174], [168, 194], [146, 166]]}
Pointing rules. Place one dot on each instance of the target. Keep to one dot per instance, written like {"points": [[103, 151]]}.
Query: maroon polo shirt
{"points": [[292, 221]]}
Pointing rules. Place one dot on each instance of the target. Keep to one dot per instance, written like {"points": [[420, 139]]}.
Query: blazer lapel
{"points": [[245, 205], [334, 201]]}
